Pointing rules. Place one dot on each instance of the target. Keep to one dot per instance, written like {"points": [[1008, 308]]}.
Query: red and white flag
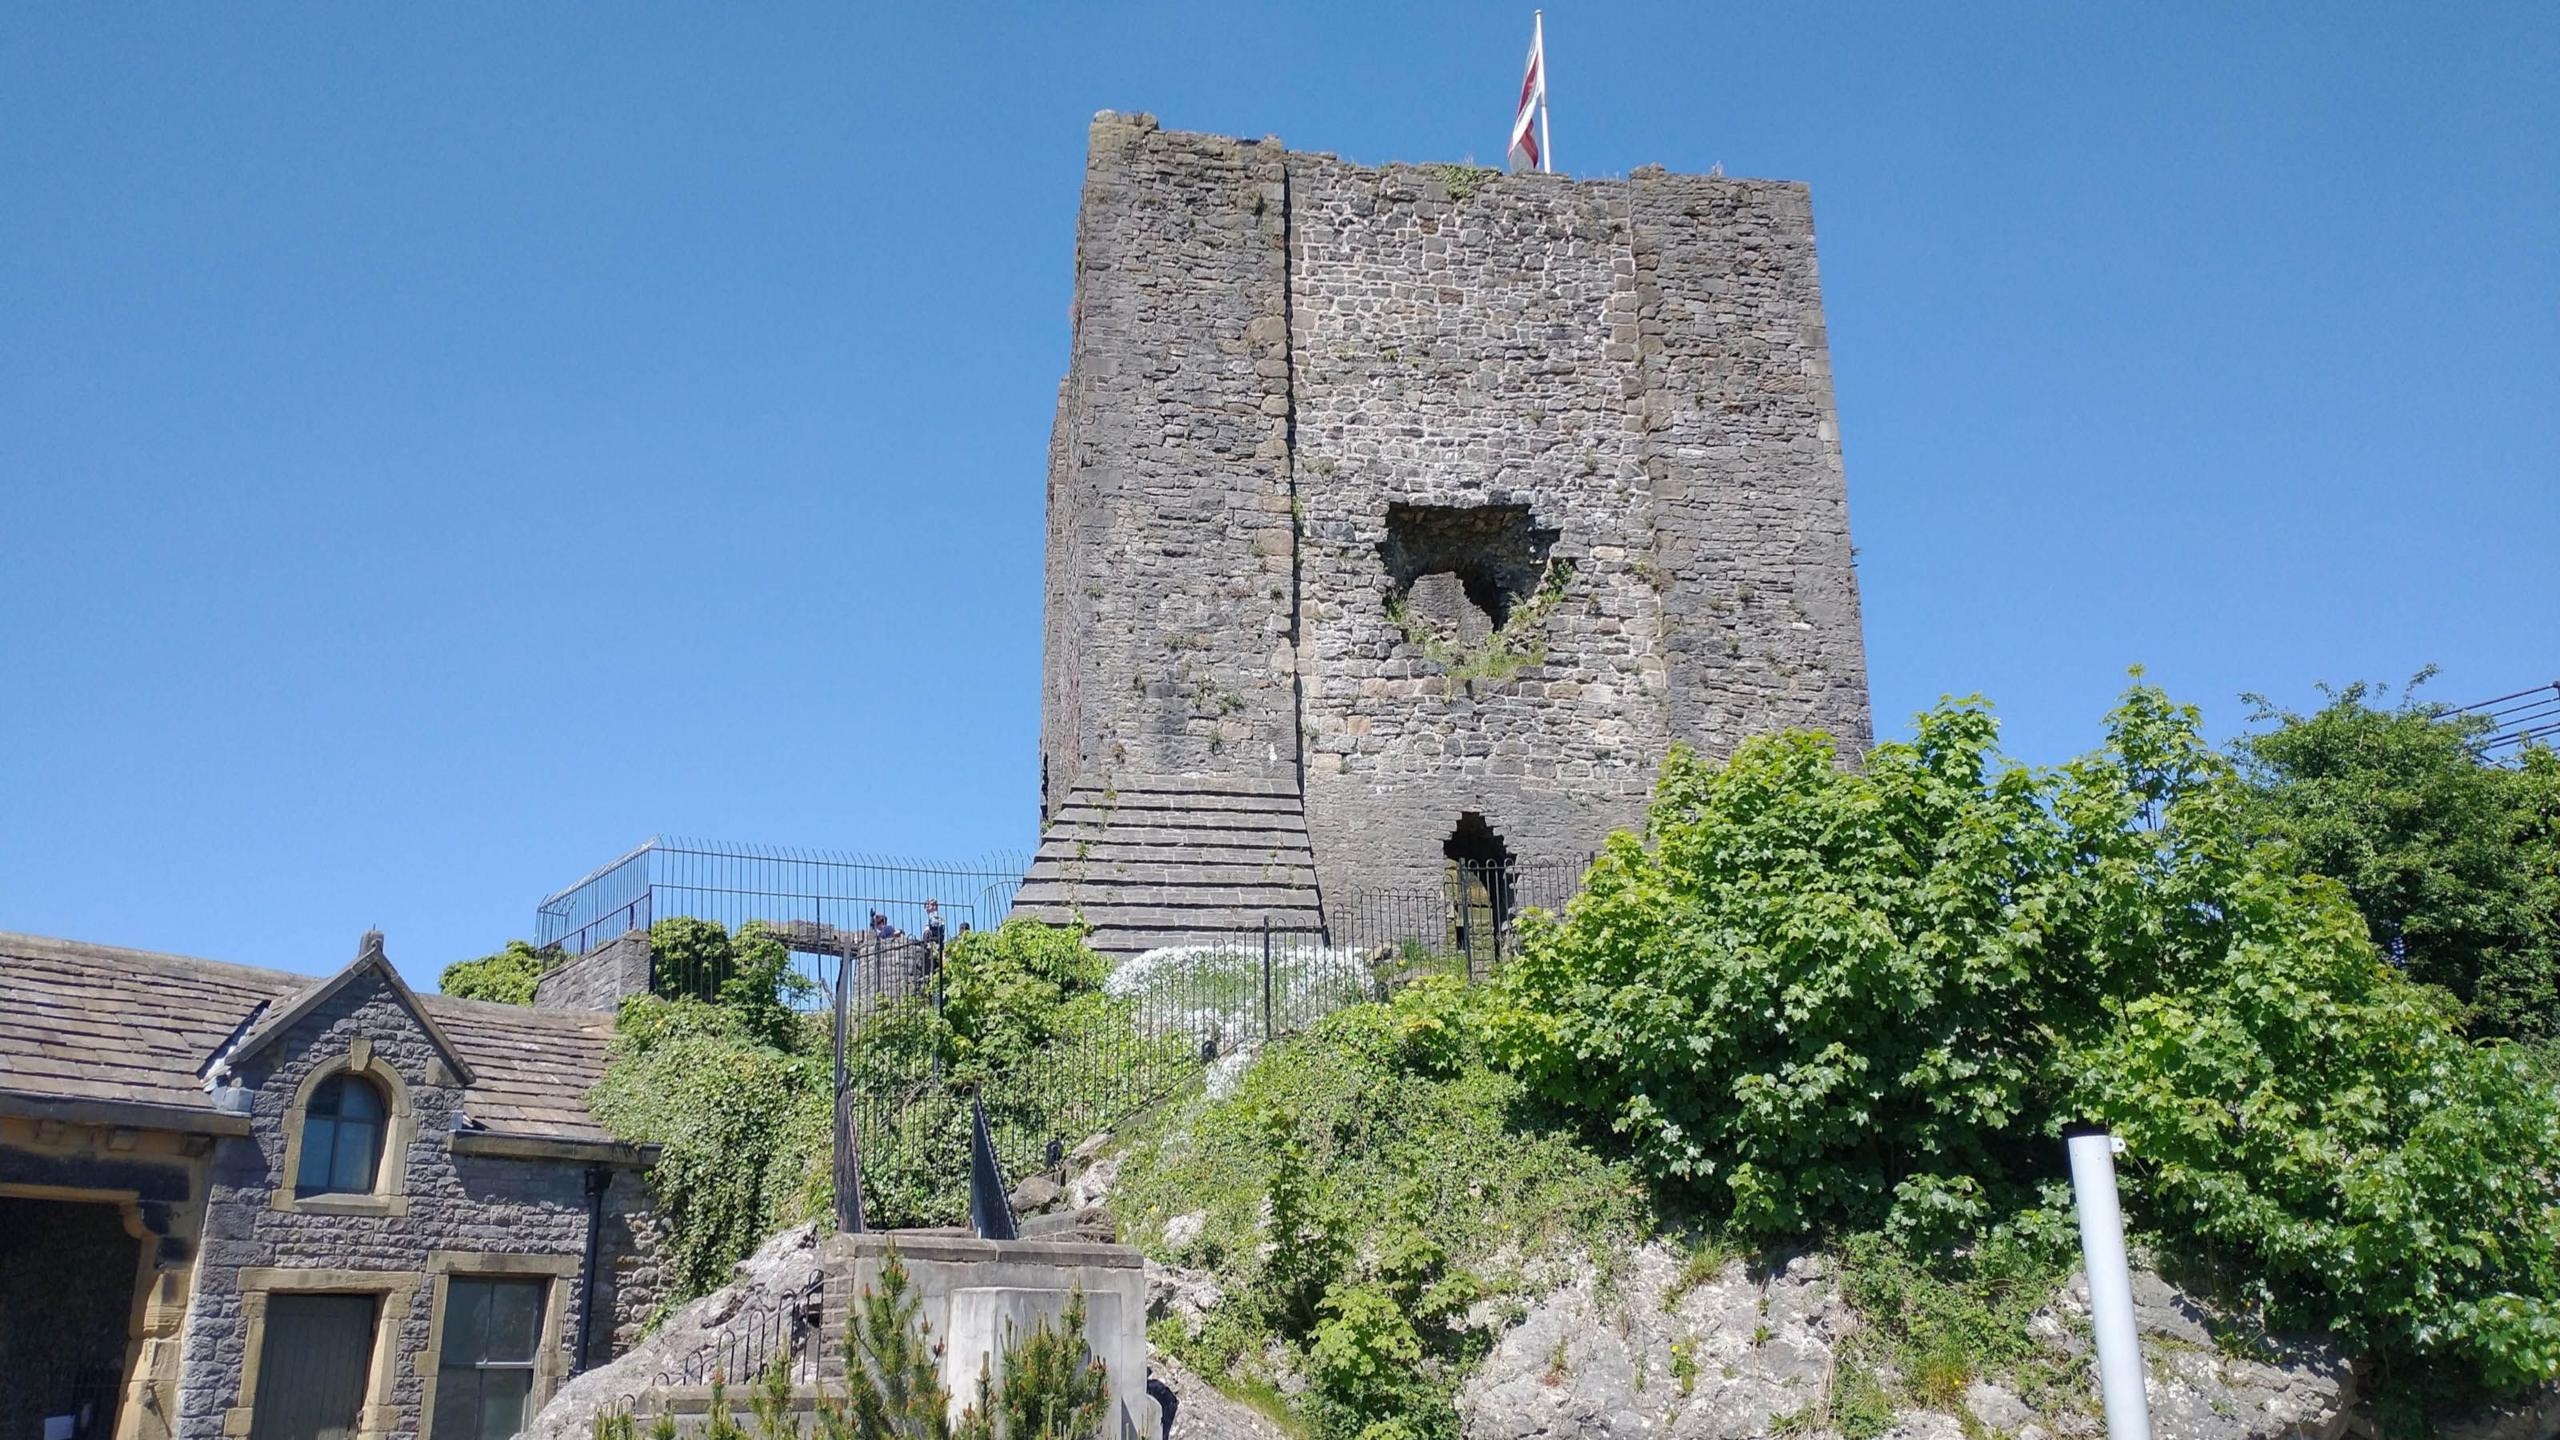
{"points": [[1529, 123]]}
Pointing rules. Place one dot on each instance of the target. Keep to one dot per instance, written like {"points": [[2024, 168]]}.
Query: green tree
{"points": [[1822, 1000], [2452, 861], [892, 1364], [1054, 1388], [1825, 996], [507, 977]]}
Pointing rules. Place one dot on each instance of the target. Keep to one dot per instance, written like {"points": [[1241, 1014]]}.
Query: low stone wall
{"points": [[599, 979], [975, 1293], [969, 1290]]}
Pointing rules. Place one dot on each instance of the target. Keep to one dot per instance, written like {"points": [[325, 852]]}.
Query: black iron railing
{"points": [[907, 1082], [824, 906]]}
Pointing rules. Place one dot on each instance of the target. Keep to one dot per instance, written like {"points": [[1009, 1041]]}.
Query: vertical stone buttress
{"points": [[1169, 728], [1169, 568]]}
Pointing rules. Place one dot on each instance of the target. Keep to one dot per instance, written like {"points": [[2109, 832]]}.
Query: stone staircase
{"points": [[1176, 860]]}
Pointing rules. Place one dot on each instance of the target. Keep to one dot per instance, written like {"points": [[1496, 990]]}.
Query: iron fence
{"points": [[785, 1332], [825, 907], [2508, 726], [867, 937], [907, 1081]]}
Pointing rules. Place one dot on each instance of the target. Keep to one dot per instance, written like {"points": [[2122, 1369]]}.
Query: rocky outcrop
{"points": [[1748, 1355], [710, 1333], [1200, 1412], [1723, 1361]]}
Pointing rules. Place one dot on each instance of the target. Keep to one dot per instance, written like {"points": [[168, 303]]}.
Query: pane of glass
{"points": [[466, 1322], [324, 1101], [319, 1134], [358, 1099], [358, 1144], [515, 1308], [502, 1402], [457, 1404]]}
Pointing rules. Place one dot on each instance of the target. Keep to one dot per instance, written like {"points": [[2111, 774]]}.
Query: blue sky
{"points": [[442, 446]]}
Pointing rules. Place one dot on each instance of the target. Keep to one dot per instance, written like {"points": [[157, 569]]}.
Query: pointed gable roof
{"points": [[369, 960]]}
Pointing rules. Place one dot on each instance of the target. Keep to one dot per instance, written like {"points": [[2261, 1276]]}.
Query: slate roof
{"points": [[95, 1023]]}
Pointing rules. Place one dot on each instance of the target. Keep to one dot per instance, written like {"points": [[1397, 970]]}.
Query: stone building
{"points": [[244, 1203], [1405, 516]]}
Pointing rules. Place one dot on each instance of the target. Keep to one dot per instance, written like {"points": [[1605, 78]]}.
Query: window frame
{"points": [[397, 1290], [550, 1355], [530, 1367], [335, 1087], [390, 1192]]}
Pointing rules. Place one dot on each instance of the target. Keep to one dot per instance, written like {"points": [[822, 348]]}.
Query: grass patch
{"points": [[1519, 643], [1939, 1322]]}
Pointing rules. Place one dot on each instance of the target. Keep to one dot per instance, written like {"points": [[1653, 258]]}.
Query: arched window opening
{"points": [[342, 1131], [1480, 890]]}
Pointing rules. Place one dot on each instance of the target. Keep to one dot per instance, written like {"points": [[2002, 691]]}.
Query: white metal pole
{"points": [[1546, 147], [2093, 1186]]}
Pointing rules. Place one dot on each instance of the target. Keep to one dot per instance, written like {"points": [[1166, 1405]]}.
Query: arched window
{"points": [[341, 1138]]}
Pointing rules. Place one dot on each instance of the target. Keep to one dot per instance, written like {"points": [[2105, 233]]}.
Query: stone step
{"points": [[1176, 815], [1231, 897], [1198, 919], [1154, 870], [1127, 941], [1198, 800], [1149, 860], [1115, 852], [1206, 784], [1229, 838]]}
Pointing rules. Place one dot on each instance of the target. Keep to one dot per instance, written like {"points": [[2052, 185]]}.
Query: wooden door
{"points": [[313, 1369]]}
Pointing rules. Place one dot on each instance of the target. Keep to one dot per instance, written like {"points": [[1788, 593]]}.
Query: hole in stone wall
{"points": [[1459, 569]]}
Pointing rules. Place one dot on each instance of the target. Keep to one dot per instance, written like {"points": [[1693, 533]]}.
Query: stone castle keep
{"points": [[1407, 515]]}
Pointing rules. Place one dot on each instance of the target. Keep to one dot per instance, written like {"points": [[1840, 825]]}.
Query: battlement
{"points": [[1449, 497]]}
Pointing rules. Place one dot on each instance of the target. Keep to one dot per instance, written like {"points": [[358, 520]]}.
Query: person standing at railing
{"points": [[933, 924]]}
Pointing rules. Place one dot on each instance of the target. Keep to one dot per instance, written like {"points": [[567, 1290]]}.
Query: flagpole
{"points": [[1546, 147]]}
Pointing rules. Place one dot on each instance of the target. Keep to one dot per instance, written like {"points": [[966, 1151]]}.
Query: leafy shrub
{"points": [[2392, 1182], [1362, 1189], [1011, 990], [1824, 1000], [1819, 995], [507, 977], [748, 974], [742, 1126]]}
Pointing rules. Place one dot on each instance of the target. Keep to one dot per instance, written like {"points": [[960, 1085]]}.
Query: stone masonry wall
{"points": [[599, 979], [1168, 643], [1450, 352], [1639, 363], [455, 1203], [632, 1268], [1742, 449]]}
